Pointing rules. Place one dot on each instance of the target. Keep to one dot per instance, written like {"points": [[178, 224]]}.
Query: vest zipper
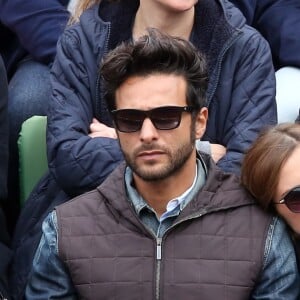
{"points": [[159, 242], [158, 248], [158, 265], [159, 252]]}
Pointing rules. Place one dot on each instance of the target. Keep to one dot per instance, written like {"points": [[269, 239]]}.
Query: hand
{"points": [[100, 130], [217, 152]]}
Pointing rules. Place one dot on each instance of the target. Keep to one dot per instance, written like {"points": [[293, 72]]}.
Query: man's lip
{"points": [[150, 153]]}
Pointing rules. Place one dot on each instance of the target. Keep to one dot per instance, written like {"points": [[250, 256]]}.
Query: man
{"points": [[168, 224]]}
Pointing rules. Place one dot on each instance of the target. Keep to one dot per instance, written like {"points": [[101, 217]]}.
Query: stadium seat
{"points": [[32, 154]]}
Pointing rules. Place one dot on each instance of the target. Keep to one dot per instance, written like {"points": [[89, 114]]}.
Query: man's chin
{"points": [[151, 174]]}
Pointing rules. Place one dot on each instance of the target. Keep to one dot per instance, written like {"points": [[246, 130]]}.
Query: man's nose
{"points": [[148, 132]]}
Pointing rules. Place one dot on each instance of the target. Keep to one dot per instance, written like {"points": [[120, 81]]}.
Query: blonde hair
{"points": [[81, 6]]}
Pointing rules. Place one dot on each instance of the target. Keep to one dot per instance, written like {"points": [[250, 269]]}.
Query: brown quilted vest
{"points": [[214, 250]]}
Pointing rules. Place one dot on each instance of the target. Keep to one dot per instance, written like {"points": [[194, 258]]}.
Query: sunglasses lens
{"points": [[165, 118], [129, 120], [292, 200]]}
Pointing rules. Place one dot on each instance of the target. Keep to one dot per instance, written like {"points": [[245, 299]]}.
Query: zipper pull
{"points": [[158, 248]]}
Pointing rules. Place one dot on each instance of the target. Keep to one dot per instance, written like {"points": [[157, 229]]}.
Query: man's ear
{"points": [[200, 122]]}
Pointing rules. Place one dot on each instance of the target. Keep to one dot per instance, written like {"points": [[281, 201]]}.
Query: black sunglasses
{"points": [[163, 118], [292, 199]]}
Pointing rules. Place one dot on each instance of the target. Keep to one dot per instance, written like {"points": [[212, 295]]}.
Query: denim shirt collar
{"points": [[180, 202]]}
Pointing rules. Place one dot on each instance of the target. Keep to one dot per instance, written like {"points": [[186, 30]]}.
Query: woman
{"points": [[271, 172], [82, 149]]}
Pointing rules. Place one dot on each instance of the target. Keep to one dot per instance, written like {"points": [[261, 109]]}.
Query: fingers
{"points": [[98, 129]]}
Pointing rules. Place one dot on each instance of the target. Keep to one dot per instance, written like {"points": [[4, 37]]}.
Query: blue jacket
{"points": [[34, 28], [279, 22], [31, 27], [241, 100]]}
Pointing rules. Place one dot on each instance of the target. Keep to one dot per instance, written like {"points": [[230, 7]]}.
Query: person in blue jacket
{"points": [[5, 252], [82, 146], [30, 30], [3, 133], [279, 22]]}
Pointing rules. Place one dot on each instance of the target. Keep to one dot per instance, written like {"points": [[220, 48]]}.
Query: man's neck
{"points": [[150, 15]]}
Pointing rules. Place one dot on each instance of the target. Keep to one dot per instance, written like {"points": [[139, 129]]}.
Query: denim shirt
{"points": [[49, 278]]}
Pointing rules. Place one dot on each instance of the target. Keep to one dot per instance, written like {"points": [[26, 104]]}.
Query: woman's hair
{"points": [[81, 6], [264, 159], [156, 53]]}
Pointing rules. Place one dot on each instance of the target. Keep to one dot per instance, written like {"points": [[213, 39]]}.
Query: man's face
{"points": [[155, 154]]}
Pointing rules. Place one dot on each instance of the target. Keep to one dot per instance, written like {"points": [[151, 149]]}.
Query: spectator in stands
{"points": [[270, 171], [102, 245], [30, 30], [283, 18], [3, 133], [5, 252], [6, 256], [82, 147]]}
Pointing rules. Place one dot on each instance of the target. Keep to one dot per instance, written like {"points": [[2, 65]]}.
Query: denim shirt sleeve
{"points": [[49, 278], [280, 276]]}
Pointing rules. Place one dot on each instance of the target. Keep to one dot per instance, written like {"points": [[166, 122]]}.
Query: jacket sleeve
{"points": [[78, 162], [279, 22], [251, 97], [280, 276], [49, 278], [38, 24]]}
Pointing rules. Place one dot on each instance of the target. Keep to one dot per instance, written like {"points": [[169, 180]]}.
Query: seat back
{"points": [[32, 154]]}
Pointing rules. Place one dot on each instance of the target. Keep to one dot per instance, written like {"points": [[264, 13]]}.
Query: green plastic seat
{"points": [[32, 154]]}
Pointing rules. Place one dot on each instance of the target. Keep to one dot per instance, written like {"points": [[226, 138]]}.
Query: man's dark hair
{"points": [[156, 53]]}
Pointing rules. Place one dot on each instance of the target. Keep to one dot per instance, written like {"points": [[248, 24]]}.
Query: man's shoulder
{"points": [[89, 202], [227, 188], [80, 203]]}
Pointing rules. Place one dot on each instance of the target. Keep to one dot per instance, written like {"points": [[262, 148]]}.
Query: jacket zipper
{"points": [[99, 90], [219, 63]]}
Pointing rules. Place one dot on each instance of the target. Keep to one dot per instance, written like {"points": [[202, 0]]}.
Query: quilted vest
{"points": [[214, 249]]}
